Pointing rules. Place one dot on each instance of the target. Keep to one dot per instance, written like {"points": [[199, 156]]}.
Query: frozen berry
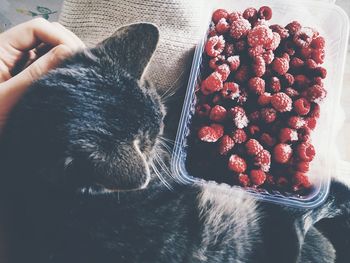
{"points": [[259, 66], [230, 90], [320, 72], [208, 134], [260, 36], [234, 62], [226, 145], [281, 102], [254, 116], [303, 167], [296, 63], [304, 134], [276, 40], [288, 79], [318, 43], [303, 37], [237, 164], [282, 182], [265, 12], [311, 123], [217, 113], [306, 151], [242, 98], [280, 65], [302, 106], [318, 55], [222, 26], [255, 51], [315, 110], [280, 30], [253, 147], [229, 49], [216, 61], [235, 15], [268, 115], [215, 46], [291, 92], [239, 136], [257, 177], [224, 71], [239, 117], [268, 56], [288, 135], [310, 63], [264, 99], [241, 45], [240, 28], [301, 81], [243, 180], [296, 122], [306, 52], [219, 14], [275, 84], [263, 160], [282, 153], [300, 181], [211, 84], [242, 74], [293, 27], [203, 110], [316, 93], [251, 14], [257, 85], [253, 129], [267, 139]]}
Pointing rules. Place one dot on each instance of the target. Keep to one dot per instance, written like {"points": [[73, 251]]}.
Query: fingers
{"points": [[28, 35], [12, 90]]}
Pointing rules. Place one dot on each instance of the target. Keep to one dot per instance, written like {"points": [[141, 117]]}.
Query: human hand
{"points": [[27, 52]]}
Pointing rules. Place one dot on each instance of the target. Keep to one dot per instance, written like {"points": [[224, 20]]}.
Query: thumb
{"points": [[12, 89]]}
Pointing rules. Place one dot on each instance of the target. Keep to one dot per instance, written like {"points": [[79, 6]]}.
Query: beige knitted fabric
{"points": [[179, 22]]}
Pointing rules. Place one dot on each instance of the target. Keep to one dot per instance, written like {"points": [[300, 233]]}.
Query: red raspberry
{"points": [[267, 139], [242, 98], [280, 30], [311, 123], [318, 43], [281, 102], [222, 26], [239, 117], [315, 110], [300, 181], [268, 115], [318, 55], [321, 72], [316, 93], [218, 113], [224, 71], [218, 128], [270, 180], [288, 79], [253, 129], [242, 74], [251, 14], [226, 145], [257, 177], [219, 14], [310, 63], [235, 15], [301, 81], [263, 160], [268, 56], [293, 27], [306, 52], [280, 65], [253, 147], [241, 45], [203, 110], [240, 28], [229, 49], [260, 36], [212, 31], [302, 106], [261, 22], [265, 12], [282, 153], [303, 37], [282, 182], [208, 134], [234, 62], [254, 116], [289, 47], [257, 85], [215, 46], [243, 180], [239, 136], [259, 66], [303, 167], [211, 84], [276, 40], [255, 51], [304, 134], [275, 84], [288, 135], [237, 164], [217, 61], [264, 99], [291, 92], [306, 151], [217, 99], [230, 90], [296, 63], [318, 81]]}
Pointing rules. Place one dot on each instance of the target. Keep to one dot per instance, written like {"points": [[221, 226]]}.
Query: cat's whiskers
{"points": [[159, 175], [172, 90]]}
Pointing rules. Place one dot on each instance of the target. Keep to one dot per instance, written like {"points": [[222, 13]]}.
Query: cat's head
{"points": [[93, 120]]}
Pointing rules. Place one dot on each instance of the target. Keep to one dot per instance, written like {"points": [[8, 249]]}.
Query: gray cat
{"points": [[77, 187]]}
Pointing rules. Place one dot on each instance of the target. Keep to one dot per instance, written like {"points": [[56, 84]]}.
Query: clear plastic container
{"points": [[332, 23]]}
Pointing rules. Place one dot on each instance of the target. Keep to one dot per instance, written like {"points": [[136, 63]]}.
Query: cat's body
{"points": [[75, 181]]}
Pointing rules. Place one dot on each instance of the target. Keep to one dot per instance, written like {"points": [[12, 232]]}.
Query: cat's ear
{"points": [[131, 47]]}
